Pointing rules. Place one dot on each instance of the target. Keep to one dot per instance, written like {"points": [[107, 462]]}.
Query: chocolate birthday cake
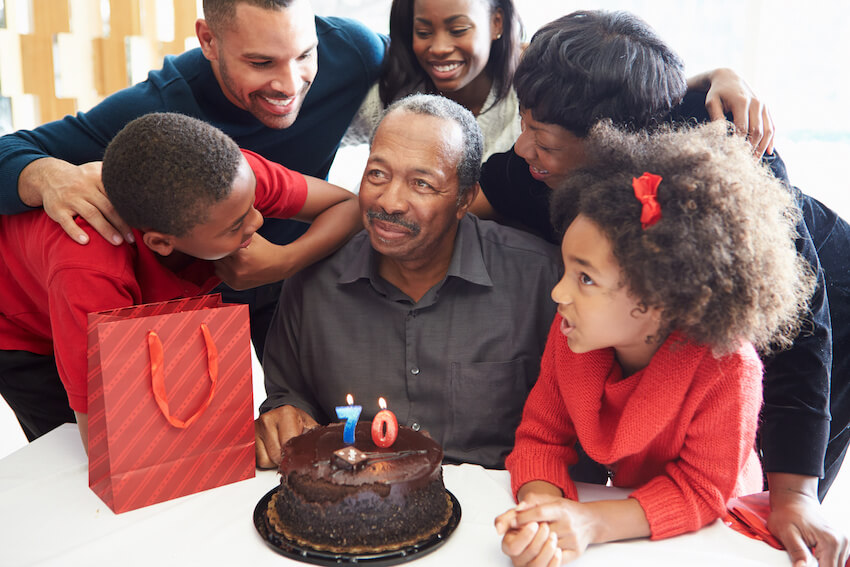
{"points": [[359, 498]]}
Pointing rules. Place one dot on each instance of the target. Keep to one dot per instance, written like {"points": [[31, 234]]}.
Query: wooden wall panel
{"points": [[103, 49], [110, 64]]}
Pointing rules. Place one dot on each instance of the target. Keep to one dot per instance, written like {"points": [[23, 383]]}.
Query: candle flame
{"points": [[350, 399], [382, 402]]}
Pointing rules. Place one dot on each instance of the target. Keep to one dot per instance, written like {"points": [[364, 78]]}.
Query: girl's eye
{"points": [[459, 31], [422, 34], [585, 279]]}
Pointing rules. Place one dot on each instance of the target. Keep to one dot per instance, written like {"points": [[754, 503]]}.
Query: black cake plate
{"points": [[288, 548]]}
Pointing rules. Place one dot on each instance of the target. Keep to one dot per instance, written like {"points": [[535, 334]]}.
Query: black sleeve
{"points": [[795, 418], [495, 182], [521, 200]]}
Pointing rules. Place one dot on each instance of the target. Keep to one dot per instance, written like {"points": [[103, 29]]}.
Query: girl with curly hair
{"points": [[679, 263]]}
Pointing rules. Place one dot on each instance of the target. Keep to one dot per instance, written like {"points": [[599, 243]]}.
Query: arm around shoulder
{"points": [[66, 191], [726, 92], [334, 214]]}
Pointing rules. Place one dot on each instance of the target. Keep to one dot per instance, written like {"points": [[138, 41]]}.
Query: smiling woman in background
{"points": [[465, 50], [468, 50]]}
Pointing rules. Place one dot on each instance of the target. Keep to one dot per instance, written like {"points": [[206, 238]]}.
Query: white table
{"points": [[49, 516]]}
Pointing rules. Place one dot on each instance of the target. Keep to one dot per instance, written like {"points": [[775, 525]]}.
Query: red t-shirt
{"points": [[49, 284]]}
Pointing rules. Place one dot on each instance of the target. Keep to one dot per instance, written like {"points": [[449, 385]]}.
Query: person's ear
{"points": [[161, 243], [207, 39], [467, 199], [496, 23]]}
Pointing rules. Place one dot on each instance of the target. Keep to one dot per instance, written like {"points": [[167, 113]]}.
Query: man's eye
{"points": [[260, 64], [422, 184]]}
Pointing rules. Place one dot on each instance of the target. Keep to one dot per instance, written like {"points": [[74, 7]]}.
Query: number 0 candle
{"points": [[350, 414], [384, 426]]}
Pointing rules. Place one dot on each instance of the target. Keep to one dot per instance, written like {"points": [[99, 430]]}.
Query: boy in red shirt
{"points": [[195, 201]]}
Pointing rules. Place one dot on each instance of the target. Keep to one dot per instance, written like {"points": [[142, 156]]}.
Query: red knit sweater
{"points": [[681, 431]]}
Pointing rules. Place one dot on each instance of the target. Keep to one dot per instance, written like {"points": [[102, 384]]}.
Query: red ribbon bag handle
{"points": [[158, 378]]}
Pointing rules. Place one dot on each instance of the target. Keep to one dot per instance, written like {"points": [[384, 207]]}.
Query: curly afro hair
{"points": [[163, 170], [721, 263]]}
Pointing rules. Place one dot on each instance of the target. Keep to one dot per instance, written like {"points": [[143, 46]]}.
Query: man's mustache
{"points": [[395, 219]]}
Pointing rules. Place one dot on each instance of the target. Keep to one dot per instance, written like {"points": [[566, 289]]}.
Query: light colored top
{"points": [[499, 123]]}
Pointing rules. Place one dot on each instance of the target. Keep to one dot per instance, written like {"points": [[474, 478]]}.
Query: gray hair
{"points": [[469, 165]]}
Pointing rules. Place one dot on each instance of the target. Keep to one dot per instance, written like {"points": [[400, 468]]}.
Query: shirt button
{"points": [[414, 371], [415, 427]]}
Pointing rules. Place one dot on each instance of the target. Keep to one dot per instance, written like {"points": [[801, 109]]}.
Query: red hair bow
{"points": [[646, 190]]}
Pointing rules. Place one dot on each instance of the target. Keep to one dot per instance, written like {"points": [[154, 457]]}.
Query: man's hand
{"points": [[65, 191], [261, 262], [274, 428], [727, 92], [796, 521]]}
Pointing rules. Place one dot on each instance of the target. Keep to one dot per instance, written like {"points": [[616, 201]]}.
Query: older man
{"points": [[442, 314]]}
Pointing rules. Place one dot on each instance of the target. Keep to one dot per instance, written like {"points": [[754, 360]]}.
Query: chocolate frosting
{"points": [[412, 459]]}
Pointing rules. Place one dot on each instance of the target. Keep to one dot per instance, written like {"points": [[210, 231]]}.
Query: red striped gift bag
{"points": [[170, 399]]}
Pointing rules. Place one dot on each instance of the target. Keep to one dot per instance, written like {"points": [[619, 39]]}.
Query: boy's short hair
{"points": [[591, 65], [163, 170], [721, 263]]}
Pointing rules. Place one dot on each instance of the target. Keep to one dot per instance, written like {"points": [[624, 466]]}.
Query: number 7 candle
{"points": [[350, 414]]}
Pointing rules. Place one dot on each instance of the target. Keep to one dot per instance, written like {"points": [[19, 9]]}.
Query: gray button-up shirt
{"points": [[458, 363]]}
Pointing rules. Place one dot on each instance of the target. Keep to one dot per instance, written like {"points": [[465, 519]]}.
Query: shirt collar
{"points": [[158, 283], [467, 261]]}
